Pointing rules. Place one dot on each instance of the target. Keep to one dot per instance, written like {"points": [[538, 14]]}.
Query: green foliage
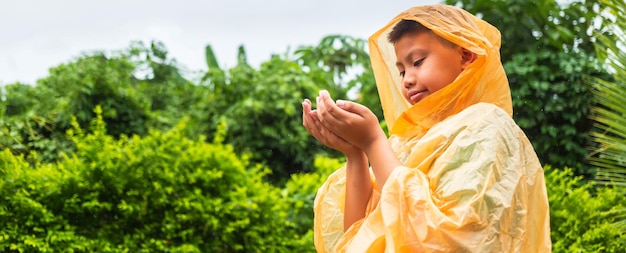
{"points": [[300, 192], [161, 192], [341, 65], [141, 88], [19, 98], [171, 97], [610, 118], [41, 114], [547, 50], [138, 88], [609, 112], [330, 60], [581, 215], [78, 87], [261, 107], [28, 225], [23, 127], [553, 106], [261, 110]]}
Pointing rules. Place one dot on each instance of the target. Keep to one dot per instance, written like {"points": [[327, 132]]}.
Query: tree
{"points": [[92, 80], [20, 126], [547, 53], [341, 65], [261, 107], [261, 111], [171, 95], [139, 88]]}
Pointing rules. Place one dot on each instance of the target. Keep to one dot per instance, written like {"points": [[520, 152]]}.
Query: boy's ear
{"points": [[467, 57]]}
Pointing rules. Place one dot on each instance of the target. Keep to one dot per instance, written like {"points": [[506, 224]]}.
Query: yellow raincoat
{"points": [[470, 179]]}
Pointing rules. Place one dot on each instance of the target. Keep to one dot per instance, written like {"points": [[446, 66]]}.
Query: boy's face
{"points": [[426, 65]]}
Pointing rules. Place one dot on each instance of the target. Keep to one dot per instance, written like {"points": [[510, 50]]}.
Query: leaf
{"points": [[211, 60]]}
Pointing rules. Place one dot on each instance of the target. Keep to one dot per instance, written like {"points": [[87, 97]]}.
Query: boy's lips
{"points": [[416, 96]]}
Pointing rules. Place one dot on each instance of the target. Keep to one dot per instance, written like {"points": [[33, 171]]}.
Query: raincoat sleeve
{"points": [[471, 184]]}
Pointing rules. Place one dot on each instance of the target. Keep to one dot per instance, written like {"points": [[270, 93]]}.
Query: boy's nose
{"points": [[408, 80]]}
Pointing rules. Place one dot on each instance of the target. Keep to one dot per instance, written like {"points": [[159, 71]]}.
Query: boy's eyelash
{"points": [[419, 62], [415, 64]]}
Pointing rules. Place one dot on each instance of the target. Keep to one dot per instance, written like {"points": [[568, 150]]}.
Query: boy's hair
{"points": [[411, 26]]}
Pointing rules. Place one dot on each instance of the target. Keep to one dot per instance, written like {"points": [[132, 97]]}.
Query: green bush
{"points": [[582, 214], [300, 192], [158, 193], [261, 109]]}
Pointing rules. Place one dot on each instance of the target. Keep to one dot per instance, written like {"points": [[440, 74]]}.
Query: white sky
{"points": [[36, 35]]}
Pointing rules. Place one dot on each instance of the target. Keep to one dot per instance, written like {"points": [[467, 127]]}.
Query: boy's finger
{"points": [[306, 111], [329, 111], [309, 124], [352, 107], [315, 120], [321, 109], [308, 119]]}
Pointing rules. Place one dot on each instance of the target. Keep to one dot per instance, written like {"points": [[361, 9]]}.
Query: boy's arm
{"points": [[358, 182], [382, 158], [358, 189]]}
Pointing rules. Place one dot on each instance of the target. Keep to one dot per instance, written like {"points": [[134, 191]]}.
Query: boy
{"points": [[456, 174]]}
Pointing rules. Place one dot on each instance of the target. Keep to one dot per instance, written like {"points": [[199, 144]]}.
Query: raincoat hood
{"points": [[482, 81]]}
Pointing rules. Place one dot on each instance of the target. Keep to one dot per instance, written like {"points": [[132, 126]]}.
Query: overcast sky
{"points": [[37, 35]]}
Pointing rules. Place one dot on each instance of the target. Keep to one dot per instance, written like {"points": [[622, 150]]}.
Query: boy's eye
{"points": [[401, 73], [419, 62]]}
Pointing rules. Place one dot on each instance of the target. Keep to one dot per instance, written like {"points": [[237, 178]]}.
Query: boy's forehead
{"points": [[415, 39], [427, 36]]}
